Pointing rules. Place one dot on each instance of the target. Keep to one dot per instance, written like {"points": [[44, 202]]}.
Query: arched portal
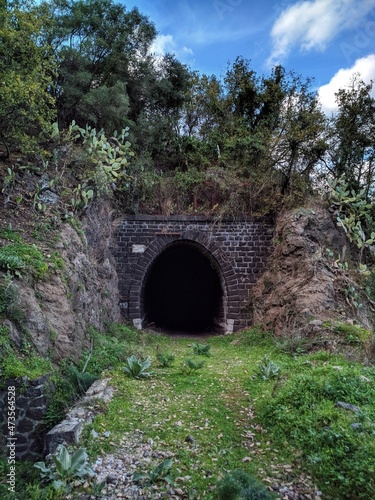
{"points": [[184, 290]]}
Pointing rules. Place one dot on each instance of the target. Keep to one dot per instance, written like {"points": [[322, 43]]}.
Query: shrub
{"points": [[110, 349], [69, 385], [9, 301]]}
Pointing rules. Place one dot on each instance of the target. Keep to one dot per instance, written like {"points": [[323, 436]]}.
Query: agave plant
{"points": [[137, 368], [67, 469], [268, 369], [158, 473]]}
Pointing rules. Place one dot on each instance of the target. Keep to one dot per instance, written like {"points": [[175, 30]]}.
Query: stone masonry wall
{"points": [[237, 248], [31, 402]]}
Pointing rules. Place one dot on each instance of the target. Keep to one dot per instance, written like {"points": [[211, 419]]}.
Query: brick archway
{"points": [[229, 315]]}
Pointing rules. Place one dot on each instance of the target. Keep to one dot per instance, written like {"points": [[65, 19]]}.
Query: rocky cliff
{"points": [[58, 310], [307, 276]]}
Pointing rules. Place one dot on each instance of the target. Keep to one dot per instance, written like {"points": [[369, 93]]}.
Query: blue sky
{"points": [[325, 39]]}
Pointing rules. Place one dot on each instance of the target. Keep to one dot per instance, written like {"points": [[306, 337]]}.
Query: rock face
{"points": [[304, 280], [58, 311]]}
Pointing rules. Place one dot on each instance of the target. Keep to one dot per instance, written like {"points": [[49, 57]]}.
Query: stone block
{"points": [[68, 431]]}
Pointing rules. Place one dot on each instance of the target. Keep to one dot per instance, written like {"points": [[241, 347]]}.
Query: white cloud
{"points": [[163, 44], [365, 67], [311, 24], [166, 44]]}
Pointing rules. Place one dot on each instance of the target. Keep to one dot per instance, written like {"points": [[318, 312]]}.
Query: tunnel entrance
{"points": [[183, 291]]}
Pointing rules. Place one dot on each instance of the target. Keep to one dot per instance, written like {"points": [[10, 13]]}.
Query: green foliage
{"points": [[26, 69], [353, 213], [109, 157], [36, 492], [352, 333], [158, 473], [10, 234], [112, 347], [202, 349], [19, 258], [102, 50], [267, 368], [238, 485], [15, 365], [370, 284], [165, 359], [137, 367], [69, 385], [67, 469], [25, 476], [351, 150], [295, 344], [9, 306], [303, 412], [20, 361], [190, 366]]}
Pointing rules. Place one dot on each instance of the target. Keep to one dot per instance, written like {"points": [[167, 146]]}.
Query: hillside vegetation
{"points": [[74, 71]]}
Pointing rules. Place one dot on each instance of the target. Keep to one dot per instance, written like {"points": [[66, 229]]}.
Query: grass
{"points": [[227, 420], [239, 419], [18, 363]]}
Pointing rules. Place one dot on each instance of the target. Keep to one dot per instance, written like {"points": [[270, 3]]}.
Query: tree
{"points": [[102, 50], [298, 142], [26, 74], [159, 121], [351, 155]]}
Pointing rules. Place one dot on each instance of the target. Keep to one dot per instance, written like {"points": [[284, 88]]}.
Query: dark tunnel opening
{"points": [[183, 291]]}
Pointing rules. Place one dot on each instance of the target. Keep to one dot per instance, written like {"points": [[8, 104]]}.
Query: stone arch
{"points": [[229, 315]]}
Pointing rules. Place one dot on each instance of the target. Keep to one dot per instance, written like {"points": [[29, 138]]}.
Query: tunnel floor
{"points": [[182, 291]]}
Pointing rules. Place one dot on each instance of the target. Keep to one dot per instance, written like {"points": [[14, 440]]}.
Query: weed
{"points": [[19, 258], [18, 364], [238, 485], [202, 349], [256, 336], [10, 234], [353, 334], [124, 333], [25, 475], [190, 366], [295, 344], [111, 349], [53, 335], [69, 385], [9, 307], [166, 360]]}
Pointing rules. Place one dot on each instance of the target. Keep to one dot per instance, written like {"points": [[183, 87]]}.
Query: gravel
{"points": [[135, 454]]}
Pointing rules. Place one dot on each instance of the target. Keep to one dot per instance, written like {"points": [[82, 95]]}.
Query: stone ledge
{"points": [[69, 430]]}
